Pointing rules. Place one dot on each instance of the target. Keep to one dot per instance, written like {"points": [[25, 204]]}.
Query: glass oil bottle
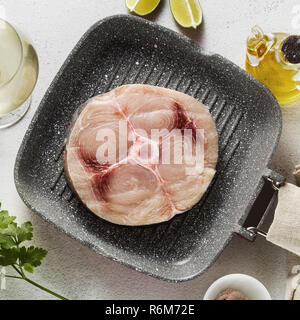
{"points": [[274, 59]]}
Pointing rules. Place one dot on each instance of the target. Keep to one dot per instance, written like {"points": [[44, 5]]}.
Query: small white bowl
{"points": [[249, 286]]}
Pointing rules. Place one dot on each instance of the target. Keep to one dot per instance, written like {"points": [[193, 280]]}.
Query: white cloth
{"points": [[293, 279], [285, 232], [297, 174], [285, 229]]}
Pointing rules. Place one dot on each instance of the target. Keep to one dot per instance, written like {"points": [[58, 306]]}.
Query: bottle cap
{"points": [[291, 49]]}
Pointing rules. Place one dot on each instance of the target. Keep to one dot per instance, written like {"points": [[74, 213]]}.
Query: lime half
{"points": [[142, 7], [187, 13]]}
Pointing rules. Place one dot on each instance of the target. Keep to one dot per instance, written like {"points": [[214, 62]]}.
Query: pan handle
{"points": [[252, 226]]}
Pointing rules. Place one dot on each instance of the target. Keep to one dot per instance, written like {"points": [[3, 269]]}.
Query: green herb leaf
{"points": [[8, 256], [20, 258], [11, 230], [5, 219], [6, 242], [24, 232], [28, 267], [31, 256]]}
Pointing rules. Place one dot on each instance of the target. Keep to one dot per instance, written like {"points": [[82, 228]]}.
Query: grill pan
{"points": [[125, 49]]}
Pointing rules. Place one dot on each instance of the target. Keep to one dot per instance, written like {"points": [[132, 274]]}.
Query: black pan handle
{"points": [[264, 204]]}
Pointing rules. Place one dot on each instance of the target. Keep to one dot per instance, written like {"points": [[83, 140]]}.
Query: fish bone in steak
{"points": [[134, 190]]}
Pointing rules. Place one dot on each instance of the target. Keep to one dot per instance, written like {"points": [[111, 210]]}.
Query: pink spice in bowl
{"points": [[237, 287]]}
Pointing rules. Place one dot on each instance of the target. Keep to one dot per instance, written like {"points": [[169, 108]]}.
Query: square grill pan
{"points": [[125, 49]]}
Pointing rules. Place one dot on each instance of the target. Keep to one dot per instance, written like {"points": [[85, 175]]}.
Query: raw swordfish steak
{"points": [[140, 154]]}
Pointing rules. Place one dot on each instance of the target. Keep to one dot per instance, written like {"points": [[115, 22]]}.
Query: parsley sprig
{"points": [[20, 258]]}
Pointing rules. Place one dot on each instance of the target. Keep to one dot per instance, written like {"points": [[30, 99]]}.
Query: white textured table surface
{"points": [[77, 272]]}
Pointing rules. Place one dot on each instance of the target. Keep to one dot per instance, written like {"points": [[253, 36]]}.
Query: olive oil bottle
{"points": [[274, 59]]}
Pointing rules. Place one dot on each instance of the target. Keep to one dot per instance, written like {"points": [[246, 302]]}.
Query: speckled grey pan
{"points": [[125, 49]]}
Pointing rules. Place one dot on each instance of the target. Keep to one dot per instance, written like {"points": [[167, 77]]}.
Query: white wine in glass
{"points": [[18, 74]]}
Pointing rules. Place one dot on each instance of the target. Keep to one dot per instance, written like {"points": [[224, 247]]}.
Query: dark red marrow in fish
{"points": [[124, 174]]}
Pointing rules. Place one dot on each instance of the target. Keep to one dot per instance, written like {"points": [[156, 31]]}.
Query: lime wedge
{"points": [[142, 7], [187, 13]]}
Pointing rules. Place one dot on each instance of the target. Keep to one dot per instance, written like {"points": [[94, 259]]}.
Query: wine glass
{"points": [[19, 69]]}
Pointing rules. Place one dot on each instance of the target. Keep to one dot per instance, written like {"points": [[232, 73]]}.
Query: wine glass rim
{"points": [[22, 53]]}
